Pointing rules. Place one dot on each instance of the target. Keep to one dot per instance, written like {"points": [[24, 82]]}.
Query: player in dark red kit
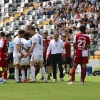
{"points": [[68, 53], [3, 57], [48, 62], [81, 44]]}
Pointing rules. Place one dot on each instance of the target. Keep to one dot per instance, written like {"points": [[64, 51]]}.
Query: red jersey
{"points": [[4, 51], [47, 41], [67, 48], [81, 40]]}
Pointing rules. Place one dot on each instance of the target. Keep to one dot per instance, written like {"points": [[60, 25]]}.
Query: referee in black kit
{"points": [[56, 46]]}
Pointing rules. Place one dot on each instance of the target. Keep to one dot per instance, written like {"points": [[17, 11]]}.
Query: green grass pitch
{"points": [[52, 91]]}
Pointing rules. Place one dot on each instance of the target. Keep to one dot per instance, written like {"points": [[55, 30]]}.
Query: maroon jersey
{"points": [[4, 50], [47, 41], [81, 40], [67, 48]]}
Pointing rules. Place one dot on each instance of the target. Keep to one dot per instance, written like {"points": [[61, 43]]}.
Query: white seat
{"points": [[44, 17], [11, 18], [52, 26], [7, 15], [18, 9], [45, 27], [11, 28], [6, 5], [27, 22], [2, 10], [21, 9], [6, 10], [30, 18], [44, 4], [33, 13], [4, 29], [10, 1], [51, 17], [22, 1], [1, 1], [78, 70], [22, 5], [12, 24], [20, 18], [26, 1], [22, 27]]}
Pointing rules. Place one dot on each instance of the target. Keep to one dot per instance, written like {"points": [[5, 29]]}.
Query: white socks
{"points": [[43, 72], [33, 72], [28, 73], [23, 74], [17, 74]]}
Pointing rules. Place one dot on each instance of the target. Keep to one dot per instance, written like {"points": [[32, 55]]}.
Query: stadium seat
{"points": [[18, 1]]}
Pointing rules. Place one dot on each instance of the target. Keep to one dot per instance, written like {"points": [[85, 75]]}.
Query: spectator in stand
{"points": [[41, 10], [50, 9]]}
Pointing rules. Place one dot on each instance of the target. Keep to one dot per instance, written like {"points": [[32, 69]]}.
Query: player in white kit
{"points": [[37, 57], [25, 62], [17, 54]]}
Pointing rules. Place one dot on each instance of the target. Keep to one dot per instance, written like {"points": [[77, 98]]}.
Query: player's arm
{"points": [[11, 51], [64, 51], [44, 45], [24, 48], [88, 46], [74, 42], [1, 44], [31, 49], [19, 50], [48, 50]]}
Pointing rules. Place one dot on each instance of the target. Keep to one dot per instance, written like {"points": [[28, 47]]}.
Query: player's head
{"points": [[26, 36], [21, 33], [2, 34], [56, 36], [8, 37], [50, 37], [45, 34], [63, 37], [83, 28], [32, 30]]}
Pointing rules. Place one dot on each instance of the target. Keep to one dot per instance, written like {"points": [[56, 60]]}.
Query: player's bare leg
{"points": [[83, 73], [73, 73], [32, 72], [68, 69], [17, 67], [43, 70], [4, 70], [49, 70]]}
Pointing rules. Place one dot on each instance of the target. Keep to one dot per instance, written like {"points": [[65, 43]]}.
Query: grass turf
{"points": [[52, 91], [97, 68]]}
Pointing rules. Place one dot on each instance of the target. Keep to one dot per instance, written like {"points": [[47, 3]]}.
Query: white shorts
{"points": [[25, 61], [37, 58], [16, 60]]}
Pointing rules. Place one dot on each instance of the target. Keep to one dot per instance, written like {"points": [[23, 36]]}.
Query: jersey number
{"points": [[39, 40], [81, 43]]}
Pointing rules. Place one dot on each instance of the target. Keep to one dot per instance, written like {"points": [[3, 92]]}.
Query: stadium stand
{"points": [[17, 14]]}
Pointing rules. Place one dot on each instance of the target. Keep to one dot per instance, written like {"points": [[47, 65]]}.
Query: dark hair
{"points": [[21, 32], [26, 36], [8, 35], [2, 34], [82, 28], [32, 28], [46, 32]]}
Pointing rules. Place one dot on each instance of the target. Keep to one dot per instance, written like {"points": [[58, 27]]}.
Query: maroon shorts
{"points": [[80, 60], [3, 63]]}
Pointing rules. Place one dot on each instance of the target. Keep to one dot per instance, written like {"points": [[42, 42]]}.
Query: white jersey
{"points": [[26, 44], [38, 40], [15, 51]]}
